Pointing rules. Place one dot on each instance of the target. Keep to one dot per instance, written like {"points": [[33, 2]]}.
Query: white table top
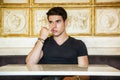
{"points": [[58, 69]]}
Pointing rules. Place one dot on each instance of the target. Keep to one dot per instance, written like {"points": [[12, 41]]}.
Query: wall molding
{"points": [[95, 45]]}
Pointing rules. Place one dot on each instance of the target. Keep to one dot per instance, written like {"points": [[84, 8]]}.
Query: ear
{"points": [[66, 22]]}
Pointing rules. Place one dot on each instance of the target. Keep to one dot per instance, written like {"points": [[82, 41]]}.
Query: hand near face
{"points": [[44, 33]]}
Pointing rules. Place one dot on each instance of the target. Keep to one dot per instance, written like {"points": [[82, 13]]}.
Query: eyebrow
{"points": [[55, 21]]}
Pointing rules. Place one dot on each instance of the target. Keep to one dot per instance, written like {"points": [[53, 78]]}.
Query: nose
{"points": [[54, 25]]}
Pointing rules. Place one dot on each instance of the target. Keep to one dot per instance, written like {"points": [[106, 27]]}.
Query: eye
{"points": [[50, 22], [58, 21]]}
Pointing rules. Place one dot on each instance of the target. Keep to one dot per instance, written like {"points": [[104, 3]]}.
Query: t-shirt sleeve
{"points": [[82, 49], [46, 41]]}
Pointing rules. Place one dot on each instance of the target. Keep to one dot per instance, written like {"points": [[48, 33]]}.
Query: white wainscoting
{"points": [[95, 45]]}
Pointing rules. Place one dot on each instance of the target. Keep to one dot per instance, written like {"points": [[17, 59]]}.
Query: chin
{"points": [[56, 35]]}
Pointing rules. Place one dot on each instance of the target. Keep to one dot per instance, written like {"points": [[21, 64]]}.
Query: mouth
{"points": [[54, 31]]}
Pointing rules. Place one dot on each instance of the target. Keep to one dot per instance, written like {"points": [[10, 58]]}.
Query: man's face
{"points": [[57, 25]]}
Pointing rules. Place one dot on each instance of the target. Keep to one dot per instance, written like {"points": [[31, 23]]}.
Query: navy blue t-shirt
{"points": [[67, 53]]}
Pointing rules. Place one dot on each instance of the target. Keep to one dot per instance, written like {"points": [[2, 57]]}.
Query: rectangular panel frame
{"points": [[71, 34], [95, 23], [16, 4], [15, 34], [107, 3], [63, 4]]}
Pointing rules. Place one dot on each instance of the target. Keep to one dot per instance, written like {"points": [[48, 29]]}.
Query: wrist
{"points": [[42, 40]]}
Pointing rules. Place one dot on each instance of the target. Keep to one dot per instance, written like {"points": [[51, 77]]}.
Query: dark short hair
{"points": [[57, 11]]}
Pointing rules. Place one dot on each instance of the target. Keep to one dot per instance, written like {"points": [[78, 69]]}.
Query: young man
{"points": [[58, 48]]}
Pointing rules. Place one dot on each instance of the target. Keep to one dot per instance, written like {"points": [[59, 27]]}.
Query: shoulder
{"points": [[78, 41], [80, 46]]}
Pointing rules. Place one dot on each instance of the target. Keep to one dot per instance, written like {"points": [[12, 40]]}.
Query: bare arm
{"points": [[83, 62], [36, 53]]}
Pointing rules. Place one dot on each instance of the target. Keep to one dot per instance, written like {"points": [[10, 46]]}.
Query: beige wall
{"points": [[96, 22]]}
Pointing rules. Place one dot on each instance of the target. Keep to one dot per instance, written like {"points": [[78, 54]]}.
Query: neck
{"points": [[61, 38]]}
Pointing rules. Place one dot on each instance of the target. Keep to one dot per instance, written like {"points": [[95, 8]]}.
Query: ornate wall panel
{"points": [[39, 20], [79, 20], [15, 3], [0, 21], [93, 21], [107, 1], [60, 2], [15, 21], [107, 21], [86, 17]]}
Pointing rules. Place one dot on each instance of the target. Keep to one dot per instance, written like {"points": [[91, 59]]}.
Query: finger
{"points": [[45, 28], [51, 28]]}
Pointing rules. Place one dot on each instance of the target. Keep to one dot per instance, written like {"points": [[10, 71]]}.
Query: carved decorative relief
{"points": [[79, 21], [86, 17], [40, 20], [108, 20], [15, 21]]}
